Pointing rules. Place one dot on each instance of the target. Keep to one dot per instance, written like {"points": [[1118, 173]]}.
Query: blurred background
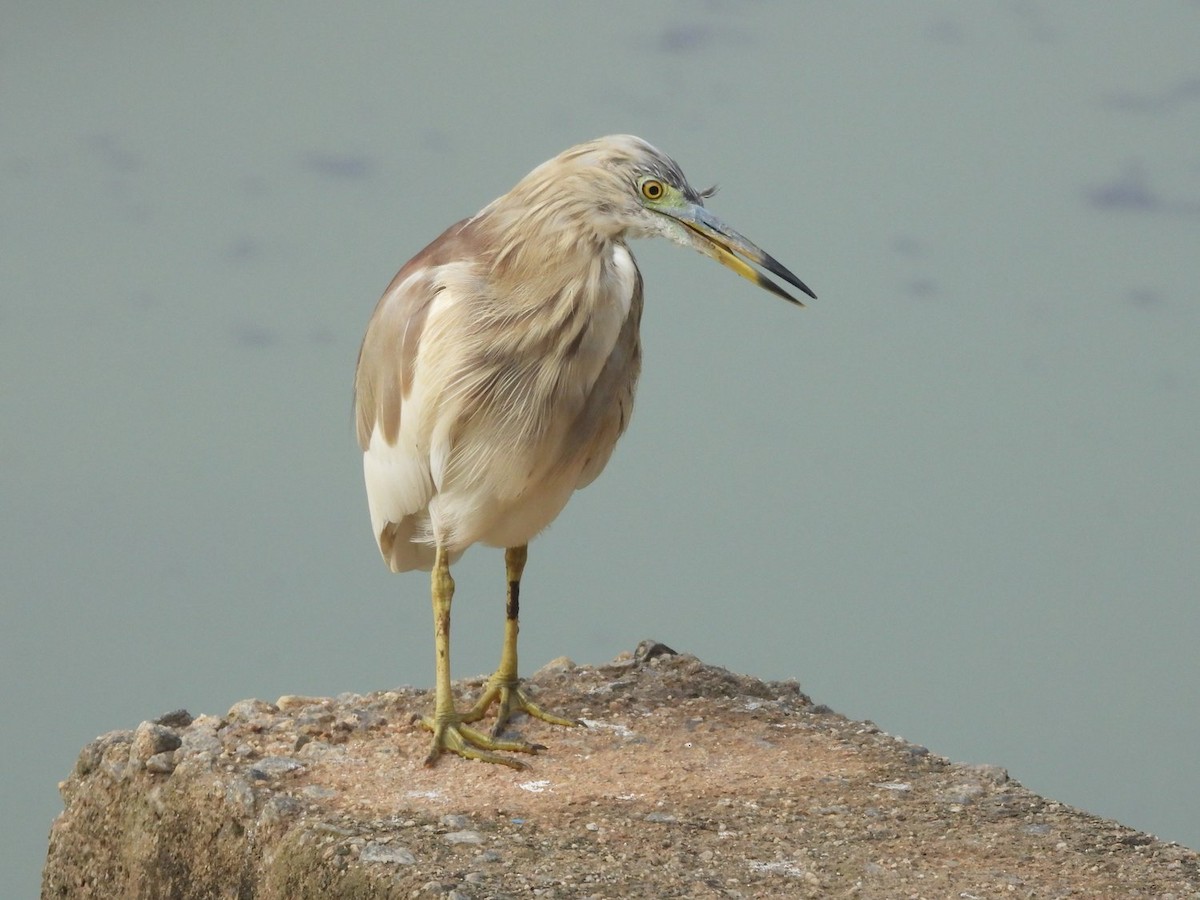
{"points": [[958, 495]]}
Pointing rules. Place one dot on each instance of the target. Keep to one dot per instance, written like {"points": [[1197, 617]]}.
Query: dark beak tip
{"points": [[800, 285], [775, 267], [805, 288]]}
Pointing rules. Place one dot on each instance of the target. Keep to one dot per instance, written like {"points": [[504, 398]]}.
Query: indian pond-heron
{"points": [[498, 371]]}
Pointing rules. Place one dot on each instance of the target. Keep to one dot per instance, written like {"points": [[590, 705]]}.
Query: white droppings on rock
{"points": [[317, 792], [620, 731], [289, 702], [375, 852], [463, 837], [777, 867], [274, 766], [425, 795]]}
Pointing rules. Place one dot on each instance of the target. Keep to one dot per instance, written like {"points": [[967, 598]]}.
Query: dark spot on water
{"points": [[684, 38], [113, 154], [1029, 14], [243, 249], [691, 37], [1145, 298], [346, 166], [1129, 190], [922, 288], [907, 245], [1170, 98], [1186, 91], [251, 334], [1129, 102]]}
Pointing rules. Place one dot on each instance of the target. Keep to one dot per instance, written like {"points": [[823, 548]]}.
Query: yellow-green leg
{"points": [[449, 732], [504, 686]]}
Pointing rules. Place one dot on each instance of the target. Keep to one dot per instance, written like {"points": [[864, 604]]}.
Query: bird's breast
{"points": [[623, 275], [600, 312], [541, 379]]}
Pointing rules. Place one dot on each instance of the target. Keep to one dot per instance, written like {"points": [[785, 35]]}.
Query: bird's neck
{"points": [[543, 255]]}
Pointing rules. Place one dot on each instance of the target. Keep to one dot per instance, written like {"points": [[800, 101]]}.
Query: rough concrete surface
{"points": [[688, 781]]}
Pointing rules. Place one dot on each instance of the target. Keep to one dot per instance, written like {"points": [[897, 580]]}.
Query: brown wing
{"points": [[397, 478], [386, 359]]}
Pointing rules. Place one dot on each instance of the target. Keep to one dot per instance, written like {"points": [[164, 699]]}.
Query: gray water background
{"points": [[958, 495]]}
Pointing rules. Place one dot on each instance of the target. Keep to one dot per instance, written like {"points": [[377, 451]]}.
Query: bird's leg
{"points": [[449, 732], [504, 686]]}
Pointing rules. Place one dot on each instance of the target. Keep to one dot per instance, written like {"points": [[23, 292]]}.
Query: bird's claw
{"points": [[456, 737], [510, 698]]}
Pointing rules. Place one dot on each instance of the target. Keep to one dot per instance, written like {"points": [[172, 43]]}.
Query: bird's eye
{"points": [[652, 189]]}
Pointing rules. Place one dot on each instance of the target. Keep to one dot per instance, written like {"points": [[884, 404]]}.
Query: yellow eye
{"points": [[652, 189]]}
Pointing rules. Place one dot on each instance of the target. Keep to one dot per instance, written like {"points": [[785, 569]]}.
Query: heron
{"points": [[497, 373]]}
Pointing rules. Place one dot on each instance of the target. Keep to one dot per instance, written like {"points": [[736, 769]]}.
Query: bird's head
{"points": [[621, 186]]}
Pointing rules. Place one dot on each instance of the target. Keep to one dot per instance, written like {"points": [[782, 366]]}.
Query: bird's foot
{"points": [[451, 734], [511, 698]]}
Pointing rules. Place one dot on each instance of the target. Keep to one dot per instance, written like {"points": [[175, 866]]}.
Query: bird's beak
{"points": [[714, 238]]}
